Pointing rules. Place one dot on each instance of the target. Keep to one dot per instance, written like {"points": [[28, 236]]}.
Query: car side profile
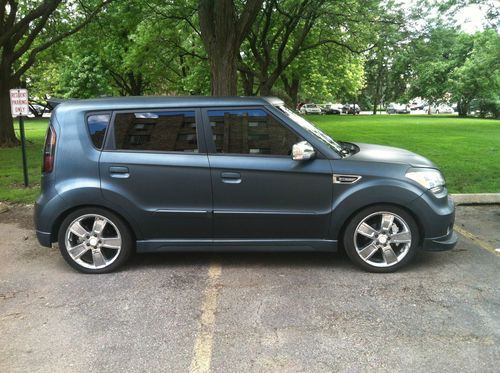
{"points": [[151, 174]]}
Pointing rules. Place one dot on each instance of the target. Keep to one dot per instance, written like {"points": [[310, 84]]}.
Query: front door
{"points": [[155, 164], [259, 192]]}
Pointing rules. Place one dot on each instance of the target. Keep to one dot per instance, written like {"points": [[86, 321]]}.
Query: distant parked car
{"points": [[351, 109], [331, 109], [394, 108], [415, 105], [310, 109], [440, 109]]}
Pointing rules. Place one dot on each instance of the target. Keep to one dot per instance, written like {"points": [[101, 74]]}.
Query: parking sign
{"points": [[19, 102]]}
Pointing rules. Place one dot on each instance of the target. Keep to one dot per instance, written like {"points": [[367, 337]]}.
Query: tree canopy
{"points": [[371, 52]]}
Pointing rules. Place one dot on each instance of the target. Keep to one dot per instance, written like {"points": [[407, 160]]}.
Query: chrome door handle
{"points": [[231, 177], [119, 172]]}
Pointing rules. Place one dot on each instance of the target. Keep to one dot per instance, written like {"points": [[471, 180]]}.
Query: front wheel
{"points": [[381, 238], [94, 240]]}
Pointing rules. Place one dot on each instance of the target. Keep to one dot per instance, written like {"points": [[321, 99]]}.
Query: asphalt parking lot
{"points": [[296, 312]]}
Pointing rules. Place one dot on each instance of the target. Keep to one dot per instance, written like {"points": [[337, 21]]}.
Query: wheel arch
{"points": [[56, 226], [354, 200], [341, 231]]}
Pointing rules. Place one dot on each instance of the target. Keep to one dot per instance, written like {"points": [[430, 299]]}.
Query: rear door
{"points": [[155, 164], [259, 192]]}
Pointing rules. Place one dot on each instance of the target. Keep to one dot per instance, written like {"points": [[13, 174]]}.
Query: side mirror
{"points": [[302, 151]]}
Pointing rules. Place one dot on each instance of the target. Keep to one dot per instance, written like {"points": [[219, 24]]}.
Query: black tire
{"points": [[127, 242], [349, 237]]}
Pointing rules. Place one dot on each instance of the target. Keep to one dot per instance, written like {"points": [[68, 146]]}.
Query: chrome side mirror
{"points": [[302, 151]]}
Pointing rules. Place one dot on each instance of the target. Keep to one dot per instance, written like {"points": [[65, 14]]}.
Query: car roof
{"points": [[163, 102]]}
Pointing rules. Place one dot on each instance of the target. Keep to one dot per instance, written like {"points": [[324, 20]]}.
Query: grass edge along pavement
{"points": [[466, 149]]}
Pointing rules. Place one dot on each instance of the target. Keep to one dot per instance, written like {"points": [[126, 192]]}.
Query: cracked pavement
{"points": [[294, 312]]}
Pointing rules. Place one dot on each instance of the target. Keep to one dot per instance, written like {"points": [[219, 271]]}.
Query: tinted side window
{"points": [[173, 131], [97, 124], [250, 131]]}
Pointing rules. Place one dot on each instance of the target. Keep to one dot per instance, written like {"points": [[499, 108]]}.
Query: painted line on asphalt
{"points": [[202, 352], [483, 244]]}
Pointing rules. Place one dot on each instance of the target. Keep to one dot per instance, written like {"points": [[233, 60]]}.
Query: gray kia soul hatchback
{"points": [[152, 174]]}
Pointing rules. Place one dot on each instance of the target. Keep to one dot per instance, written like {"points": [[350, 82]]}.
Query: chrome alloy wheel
{"points": [[382, 239], [93, 241]]}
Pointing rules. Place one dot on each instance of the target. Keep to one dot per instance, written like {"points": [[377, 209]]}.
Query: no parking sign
{"points": [[19, 108], [19, 102]]}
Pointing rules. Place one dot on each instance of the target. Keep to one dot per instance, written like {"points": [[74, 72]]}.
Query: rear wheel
{"points": [[381, 238], [94, 240]]}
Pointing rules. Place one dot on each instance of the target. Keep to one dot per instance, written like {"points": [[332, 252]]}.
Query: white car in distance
{"points": [[310, 109]]}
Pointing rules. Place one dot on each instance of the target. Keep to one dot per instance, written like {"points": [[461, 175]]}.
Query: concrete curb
{"points": [[476, 199], [3, 207]]}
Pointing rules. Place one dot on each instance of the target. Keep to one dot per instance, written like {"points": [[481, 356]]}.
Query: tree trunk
{"points": [[136, 84], [292, 90], [247, 80], [222, 32], [463, 108], [265, 89], [7, 134], [223, 72]]}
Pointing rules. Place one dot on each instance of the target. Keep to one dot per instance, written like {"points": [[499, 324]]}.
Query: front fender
{"points": [[350, 198]]}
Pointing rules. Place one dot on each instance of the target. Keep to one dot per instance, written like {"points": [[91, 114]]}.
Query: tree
{"points": [[223, 27], [326, 73], [386, 63], [27, 30], [434, 56], [478, 78], [287, 31]]}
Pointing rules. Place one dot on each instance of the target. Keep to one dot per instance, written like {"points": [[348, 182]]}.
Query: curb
{"points": [[476, 199], [3, 207]]}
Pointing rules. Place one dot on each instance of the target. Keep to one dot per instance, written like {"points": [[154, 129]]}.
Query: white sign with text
{"points": [[19, 102]]}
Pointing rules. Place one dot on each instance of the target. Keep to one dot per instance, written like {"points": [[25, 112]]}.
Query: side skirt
{"points": [[151, 246]]}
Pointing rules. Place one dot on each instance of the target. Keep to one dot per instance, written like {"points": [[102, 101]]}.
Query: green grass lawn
{"points": [[11, 164], [467, 150]]}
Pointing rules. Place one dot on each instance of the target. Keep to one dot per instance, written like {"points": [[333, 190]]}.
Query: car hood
{"points": [[389, 154]]}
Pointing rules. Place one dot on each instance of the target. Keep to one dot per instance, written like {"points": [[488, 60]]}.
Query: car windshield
{"points": [[309, 127]]}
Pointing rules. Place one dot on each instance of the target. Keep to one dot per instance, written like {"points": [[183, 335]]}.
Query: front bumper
{"points": [[436, 216], [44, 238], [443, 243]]}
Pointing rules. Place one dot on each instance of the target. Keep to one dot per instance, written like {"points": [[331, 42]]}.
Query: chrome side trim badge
{"points": [[345, 179]]}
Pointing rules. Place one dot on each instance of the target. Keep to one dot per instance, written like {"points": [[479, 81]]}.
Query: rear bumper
{"points": [[44, 238], [443, 243]]}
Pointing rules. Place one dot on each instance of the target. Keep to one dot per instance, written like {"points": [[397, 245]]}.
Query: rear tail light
{"points": [[49, 150]]}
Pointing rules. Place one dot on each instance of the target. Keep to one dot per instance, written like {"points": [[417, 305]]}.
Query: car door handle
{"points": [[231, 177], [119, 172]]}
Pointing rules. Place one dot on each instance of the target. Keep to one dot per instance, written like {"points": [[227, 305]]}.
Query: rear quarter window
{"points": [[97, 125], [168, 131]]}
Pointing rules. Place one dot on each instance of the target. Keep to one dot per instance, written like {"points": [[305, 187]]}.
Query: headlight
{"points": [[429, 178]]}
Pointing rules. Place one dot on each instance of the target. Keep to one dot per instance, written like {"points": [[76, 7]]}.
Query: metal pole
{"points": [[23, 148]]}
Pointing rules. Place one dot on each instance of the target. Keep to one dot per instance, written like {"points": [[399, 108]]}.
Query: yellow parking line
{"points": [[483, 244], [202, 353]]}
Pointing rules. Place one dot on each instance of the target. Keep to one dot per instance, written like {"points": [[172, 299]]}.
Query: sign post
{"points": [[19, 108]]}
